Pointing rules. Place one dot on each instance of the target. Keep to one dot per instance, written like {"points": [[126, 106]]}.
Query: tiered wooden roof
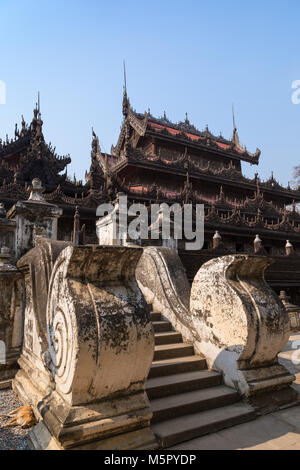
{"points": [[28, 156]]}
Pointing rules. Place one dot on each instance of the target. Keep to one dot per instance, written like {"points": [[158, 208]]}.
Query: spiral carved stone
{"points": [[61, 348], [99, 332]]}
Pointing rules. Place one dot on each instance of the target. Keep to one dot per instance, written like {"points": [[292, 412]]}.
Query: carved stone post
{"points": [[11, 318], [257, 245], [100, 347], [217, 240], [33, 217], [241, 324], [289, 250]]}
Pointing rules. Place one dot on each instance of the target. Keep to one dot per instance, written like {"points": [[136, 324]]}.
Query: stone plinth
{"points": [[34, 217], [11, 318]]}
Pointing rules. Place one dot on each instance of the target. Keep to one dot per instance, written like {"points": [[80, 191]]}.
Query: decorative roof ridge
{"points": [[186, 126], [7, 145]]}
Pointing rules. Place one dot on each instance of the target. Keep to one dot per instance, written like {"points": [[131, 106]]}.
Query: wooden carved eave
{"points": [[89, 200], [188, 131], [230, 173], [139, 125], [206, 143], [13, 191]]}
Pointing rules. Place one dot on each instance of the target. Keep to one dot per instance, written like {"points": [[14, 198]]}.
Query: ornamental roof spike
{"points": [[39, 106], [126, 102]]}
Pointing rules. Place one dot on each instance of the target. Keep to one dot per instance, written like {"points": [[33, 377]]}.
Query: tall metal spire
{"points": [[125, 107], [233, 119], [235, 137], [125, 81]]}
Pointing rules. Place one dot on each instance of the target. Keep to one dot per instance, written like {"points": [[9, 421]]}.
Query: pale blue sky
{"points": [[195, 56]]}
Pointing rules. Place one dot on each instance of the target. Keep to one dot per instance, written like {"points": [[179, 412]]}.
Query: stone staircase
{"points": [[187, 399]]}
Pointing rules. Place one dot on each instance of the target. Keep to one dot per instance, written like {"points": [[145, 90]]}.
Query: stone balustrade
{"points": [[232, 316], [88, 348]]}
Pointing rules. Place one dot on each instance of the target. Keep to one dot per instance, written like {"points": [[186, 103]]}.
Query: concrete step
{"points": [[159, 387], [155, 316], [170, 337], [192, 402], [177, 365], [184, 428], [168, 351], [160, 326]]}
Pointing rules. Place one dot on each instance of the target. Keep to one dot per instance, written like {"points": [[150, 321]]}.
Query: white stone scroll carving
{"points": [[101, 345], [241, 325]]}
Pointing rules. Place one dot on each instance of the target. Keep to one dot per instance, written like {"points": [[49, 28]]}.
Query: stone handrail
{"points": [[232, 316], [162, 279]]}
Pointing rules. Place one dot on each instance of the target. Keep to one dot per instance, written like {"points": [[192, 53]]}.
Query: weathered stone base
{"points": [[39, 438], [274, 400], [265, 379], [120, 423]]}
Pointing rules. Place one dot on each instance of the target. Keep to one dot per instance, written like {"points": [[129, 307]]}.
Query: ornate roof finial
{"points": [[233, 119], [235, 137], [125, 107], [95, 144], [125, 81], [187, 118]]}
